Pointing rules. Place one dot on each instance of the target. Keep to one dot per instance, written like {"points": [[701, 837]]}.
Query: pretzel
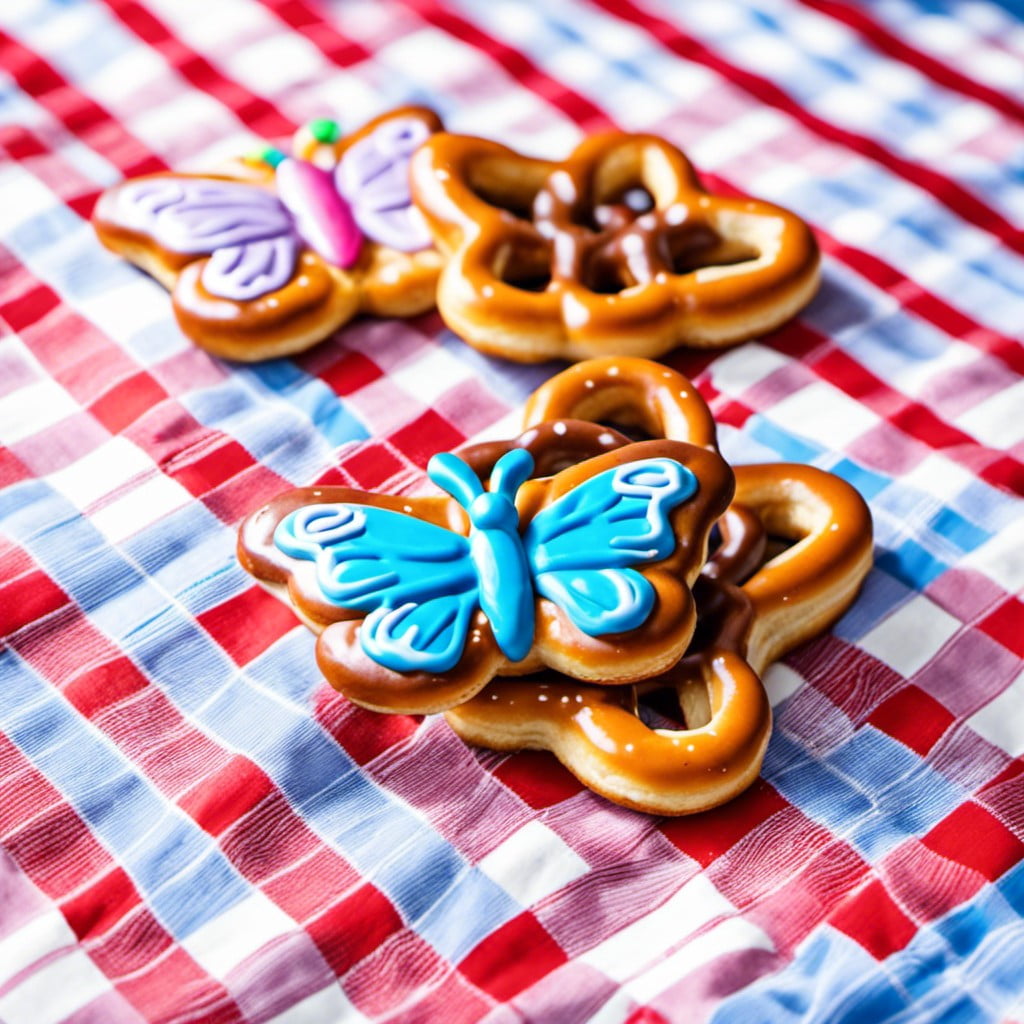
{"points": [[276, 253], [617, 250], [751, 611], [420, 602]]}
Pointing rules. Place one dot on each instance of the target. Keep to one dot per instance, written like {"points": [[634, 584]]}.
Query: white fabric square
{"points": [[55, 991], [33, 408], [431, 375], [329, 1004], [823, 413], [43, 934], [909, 638], [165, 127], [123, 311], [746, 133], [860, 226], [1001, 721], [998, 421], [102, 471], [938, 476], [275, 64], [139, 65], [223, 943], [24, 198], [728, 936], [628, 951], [781, 682], [449, 59], [532, 864], [1001, 558], [741, 368], [145, 504]]}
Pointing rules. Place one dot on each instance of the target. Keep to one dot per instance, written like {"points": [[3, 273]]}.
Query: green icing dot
{"points": [[323, 129], [269, 155]]}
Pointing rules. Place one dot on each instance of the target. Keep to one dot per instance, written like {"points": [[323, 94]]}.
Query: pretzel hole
{"points": [[525, 265], [504, 185], [633, 430], [776, 545], [674, 708], [622, 206], [694, 246], [606, 276]]}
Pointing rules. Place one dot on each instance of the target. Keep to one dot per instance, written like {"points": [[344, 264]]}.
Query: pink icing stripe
{"points": [[322, 216]]}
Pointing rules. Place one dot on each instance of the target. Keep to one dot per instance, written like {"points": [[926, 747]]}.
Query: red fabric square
{"points": [[538, 777], [349, 374], [30, 308], [303, 889], [12, 469], [1006, 624], [28, 598], [236, 498], [354, 927], [125, 402], [204, 472], [1005, 472], [973, 836], [106, 684], [826, 873], [912, 717], [270, 835], [95, 909], [371, 465], [734, 414], [133, 943], [927, 884], [425, 436], [512, 958], [364, 734], [705, 837], [226, 795], [248, 623], [176, 987], [873, 919]]}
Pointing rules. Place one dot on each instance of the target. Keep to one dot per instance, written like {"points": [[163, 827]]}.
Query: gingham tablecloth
{"points": [[194, 827]]}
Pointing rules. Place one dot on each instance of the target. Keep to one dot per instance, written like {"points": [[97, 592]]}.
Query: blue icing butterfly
{"points": [[420, 585]]}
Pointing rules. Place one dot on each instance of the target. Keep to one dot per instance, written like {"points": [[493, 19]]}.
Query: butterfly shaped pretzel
{"points": [[274, 256], [421, 601]]}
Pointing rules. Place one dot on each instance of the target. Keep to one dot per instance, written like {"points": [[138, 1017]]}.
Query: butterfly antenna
{"points": [[511, 471], [451, 474]]}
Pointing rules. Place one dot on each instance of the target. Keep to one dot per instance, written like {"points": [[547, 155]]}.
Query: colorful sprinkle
{"points": [[324, 130]]}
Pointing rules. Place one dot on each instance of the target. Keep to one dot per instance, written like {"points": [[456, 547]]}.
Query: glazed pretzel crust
{"points": [[550, 260]]}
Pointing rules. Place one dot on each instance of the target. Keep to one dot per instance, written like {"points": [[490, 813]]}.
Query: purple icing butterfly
{"points": [[254, 237]]}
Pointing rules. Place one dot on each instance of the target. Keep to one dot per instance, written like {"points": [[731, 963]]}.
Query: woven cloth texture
{"points": [[195, 827]]}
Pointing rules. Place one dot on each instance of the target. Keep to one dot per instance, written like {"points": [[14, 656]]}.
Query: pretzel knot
{"points": [[617, 249]]}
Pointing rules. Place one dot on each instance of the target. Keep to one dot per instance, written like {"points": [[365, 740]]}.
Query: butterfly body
{"points": [[421, 585]]}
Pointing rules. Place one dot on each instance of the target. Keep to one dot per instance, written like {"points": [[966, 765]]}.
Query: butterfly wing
{"points": [[246, 229], [243, 272], [373, 175], [414, 581], [199, 215], [583, 547]]}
